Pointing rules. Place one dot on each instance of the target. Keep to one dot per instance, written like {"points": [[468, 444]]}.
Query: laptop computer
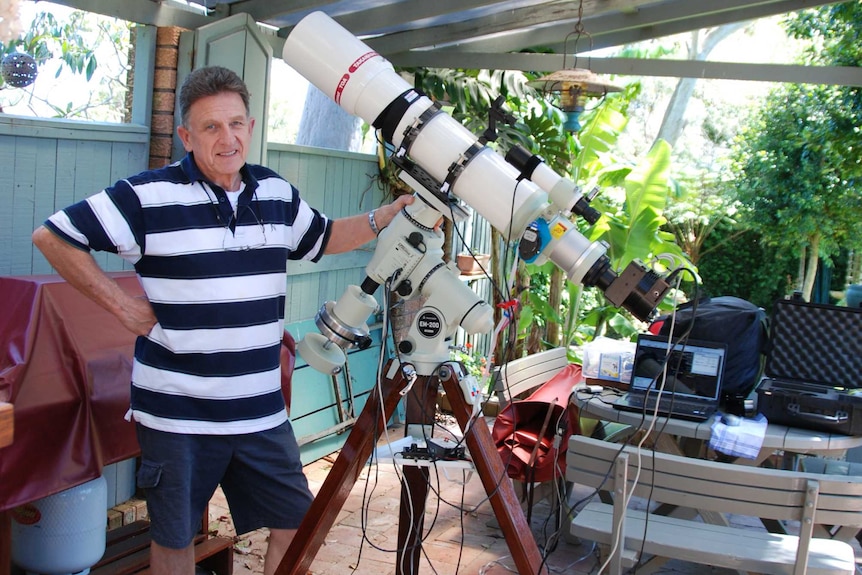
{"points": [[694, 373]]}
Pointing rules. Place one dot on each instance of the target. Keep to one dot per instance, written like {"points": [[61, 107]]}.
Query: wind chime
{"points": [[17, 68]]}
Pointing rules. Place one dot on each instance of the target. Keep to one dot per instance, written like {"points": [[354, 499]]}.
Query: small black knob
{"points": [[405, 346], [405, 288], [415, 239], [364, 342]]}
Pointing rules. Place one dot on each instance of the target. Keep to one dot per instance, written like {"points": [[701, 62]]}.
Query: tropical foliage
{"points": [[798, 166], [633, 199], [740, 263]]}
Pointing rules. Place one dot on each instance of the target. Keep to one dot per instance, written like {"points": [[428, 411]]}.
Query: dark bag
{"points": [[733, 321]]}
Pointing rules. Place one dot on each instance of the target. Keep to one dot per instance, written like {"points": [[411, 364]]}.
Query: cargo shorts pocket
{"points": [[148, 475]]}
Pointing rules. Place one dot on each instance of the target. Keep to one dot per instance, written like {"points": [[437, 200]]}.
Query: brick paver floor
{"points": [[365, 534]]}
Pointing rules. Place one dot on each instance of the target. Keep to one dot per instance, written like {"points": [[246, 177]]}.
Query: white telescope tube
{"points": [[344, 68], [365, 84]]}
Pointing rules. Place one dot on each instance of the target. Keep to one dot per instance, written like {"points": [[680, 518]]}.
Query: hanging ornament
{"points": [[18, 69], [574, 86]]}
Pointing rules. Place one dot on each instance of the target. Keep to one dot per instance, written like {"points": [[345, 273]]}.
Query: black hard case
{"points": [[813, 371]]}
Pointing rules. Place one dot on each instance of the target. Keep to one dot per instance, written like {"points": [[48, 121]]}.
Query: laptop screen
{"points": [[694, 370]]}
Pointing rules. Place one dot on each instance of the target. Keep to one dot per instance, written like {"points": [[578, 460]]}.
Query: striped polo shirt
{"points": [[216, 280]]}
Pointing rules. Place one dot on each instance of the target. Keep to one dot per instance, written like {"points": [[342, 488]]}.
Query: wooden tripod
{"points": [[356, 451]]}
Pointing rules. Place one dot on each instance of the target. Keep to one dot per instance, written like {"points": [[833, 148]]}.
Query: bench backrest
{"points": [[717, 486], [527, 373]]}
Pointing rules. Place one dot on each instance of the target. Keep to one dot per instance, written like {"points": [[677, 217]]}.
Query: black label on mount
{"points": [[429, 324]]}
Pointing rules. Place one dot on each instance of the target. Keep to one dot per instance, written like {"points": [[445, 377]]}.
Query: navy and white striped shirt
{"points": [[216, 282]]}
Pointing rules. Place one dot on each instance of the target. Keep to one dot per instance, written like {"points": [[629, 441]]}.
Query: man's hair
{"points": [[210, 81]]}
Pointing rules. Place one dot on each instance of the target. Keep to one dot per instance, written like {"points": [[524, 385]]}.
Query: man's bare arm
{"points": [[83, 273], [351, 232]]}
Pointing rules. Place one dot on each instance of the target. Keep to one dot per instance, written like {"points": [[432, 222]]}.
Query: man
{"points": [[210, 237]]}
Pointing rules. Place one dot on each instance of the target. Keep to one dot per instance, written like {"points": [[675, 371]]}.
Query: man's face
{"points": [[219, 133]]}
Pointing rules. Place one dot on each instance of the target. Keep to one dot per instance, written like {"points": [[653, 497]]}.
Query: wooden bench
{"points": [[128, 551], [822, 465], [713, 489], [523, 375], [7, 424]]}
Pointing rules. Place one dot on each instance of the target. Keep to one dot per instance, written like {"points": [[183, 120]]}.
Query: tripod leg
{"points": [[341, 478], [421, 407], [497, 485]]}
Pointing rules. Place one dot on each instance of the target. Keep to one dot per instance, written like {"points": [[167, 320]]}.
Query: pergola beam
{"points": [[143, 12], [550, 26], [834, 75]]}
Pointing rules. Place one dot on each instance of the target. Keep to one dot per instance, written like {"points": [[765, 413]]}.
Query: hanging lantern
{"points": [[18, 69], [574, 85]]}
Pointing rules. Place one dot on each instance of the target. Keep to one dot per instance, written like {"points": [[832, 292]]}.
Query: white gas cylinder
{"points": [[63, 533]]}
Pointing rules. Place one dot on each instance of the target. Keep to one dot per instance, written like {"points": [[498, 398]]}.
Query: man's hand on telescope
{"points": [[351, 232], [385, 214]]}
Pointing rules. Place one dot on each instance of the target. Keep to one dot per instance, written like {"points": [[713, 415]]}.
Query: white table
{"points": [[669, 433], [778, 437]]}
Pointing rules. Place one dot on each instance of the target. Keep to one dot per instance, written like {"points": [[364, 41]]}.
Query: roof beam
{"points": [[786, 73], [633, 35], [832, 75], [142, 12], [262, 10], [665, 22], [523, 30], [503, 23], [395, 15]]}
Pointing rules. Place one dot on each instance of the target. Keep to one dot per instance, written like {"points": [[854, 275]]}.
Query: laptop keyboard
{"points": [[680, 406]]}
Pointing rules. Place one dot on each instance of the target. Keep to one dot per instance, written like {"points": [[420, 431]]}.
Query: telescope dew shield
{"points": [[365, 84], [343, 67]]}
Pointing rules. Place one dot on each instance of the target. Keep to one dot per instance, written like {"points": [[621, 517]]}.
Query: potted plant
{"points": [[474, 263]]}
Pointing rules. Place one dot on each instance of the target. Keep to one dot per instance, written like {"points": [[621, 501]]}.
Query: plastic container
{"points": [[63, 533], [609, 359]]}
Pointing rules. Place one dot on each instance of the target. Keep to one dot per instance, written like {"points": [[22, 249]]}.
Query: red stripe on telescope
{"points": [[342, 83], [361, 60]]}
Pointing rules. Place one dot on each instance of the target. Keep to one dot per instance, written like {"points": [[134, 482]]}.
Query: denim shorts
{"points": [[260, 475]]}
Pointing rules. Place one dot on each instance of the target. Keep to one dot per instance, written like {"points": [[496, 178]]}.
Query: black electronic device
{"points": [[813, 373]]}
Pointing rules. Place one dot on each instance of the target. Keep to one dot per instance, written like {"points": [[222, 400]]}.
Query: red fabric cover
{"points": [[65, 366], [516, 428], [655, 327]]}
